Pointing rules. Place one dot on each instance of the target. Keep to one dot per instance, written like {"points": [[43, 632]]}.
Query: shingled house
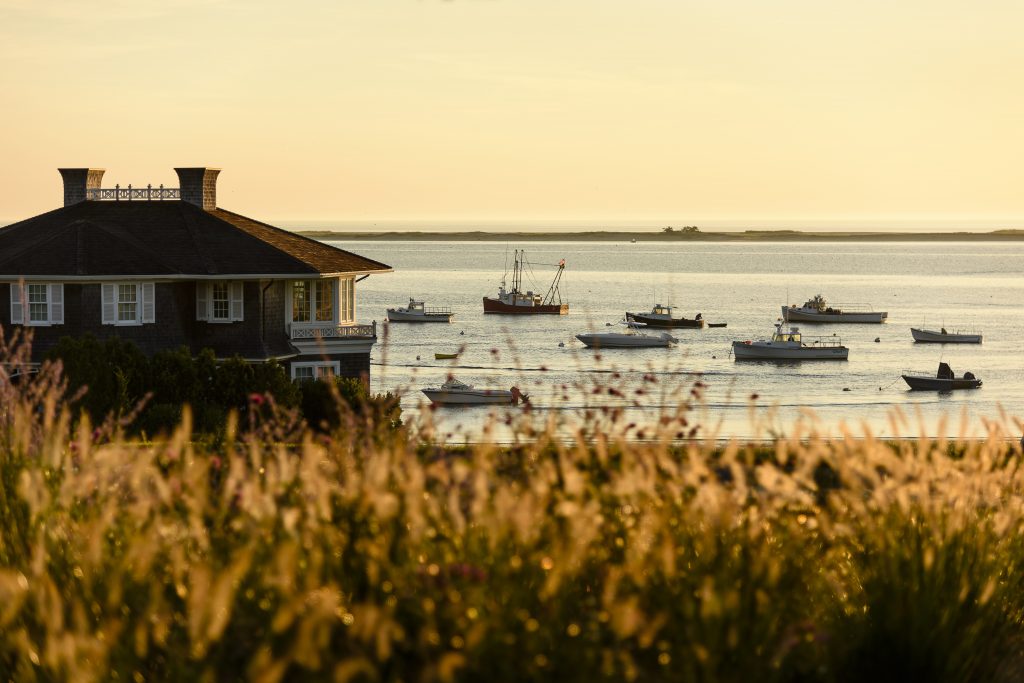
{"points": [[165, 268]]}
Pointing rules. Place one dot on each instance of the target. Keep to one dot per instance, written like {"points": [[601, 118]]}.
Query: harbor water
{"points": [[963, 285]]}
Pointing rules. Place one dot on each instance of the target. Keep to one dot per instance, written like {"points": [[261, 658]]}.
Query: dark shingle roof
{"points": [[169, 238]]}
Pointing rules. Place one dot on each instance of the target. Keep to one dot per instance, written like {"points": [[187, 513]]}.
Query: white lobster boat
{"points": [[944, 337], [789, 344], [417, 312], [454, 392], [818, 310]]}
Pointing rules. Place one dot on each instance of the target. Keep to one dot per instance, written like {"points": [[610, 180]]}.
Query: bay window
{"points": [[319, 301]]}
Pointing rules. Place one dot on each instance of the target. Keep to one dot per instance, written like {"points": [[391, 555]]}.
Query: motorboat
{"points": [[445, 356], [661, 316], [454, 392], [417, 312], [818, 310], [787, 343], [943, 380], [633, 338], [945, 337], [513, 300]]}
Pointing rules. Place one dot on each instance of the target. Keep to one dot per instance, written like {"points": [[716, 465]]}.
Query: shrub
{"points": [[327, 402]]}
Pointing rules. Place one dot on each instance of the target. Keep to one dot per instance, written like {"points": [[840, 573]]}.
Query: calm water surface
{"points": [[977, 286]]}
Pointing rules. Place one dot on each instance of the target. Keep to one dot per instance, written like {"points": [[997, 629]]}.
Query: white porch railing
{"points": [[330, 331]]}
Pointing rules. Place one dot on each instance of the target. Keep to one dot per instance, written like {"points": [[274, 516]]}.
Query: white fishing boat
{"points": [[945, 337], [417, 312], [454, 392], [633, 338], [818, 310], [790, 344]]}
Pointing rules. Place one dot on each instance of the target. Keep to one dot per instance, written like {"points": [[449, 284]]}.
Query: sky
{"points": [[789, 113]]}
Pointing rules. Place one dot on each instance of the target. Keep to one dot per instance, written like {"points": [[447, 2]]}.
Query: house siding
{"points": [[244, 338]]}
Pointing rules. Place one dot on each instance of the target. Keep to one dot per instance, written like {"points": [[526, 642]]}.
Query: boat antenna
{"points": [[504, 275]]}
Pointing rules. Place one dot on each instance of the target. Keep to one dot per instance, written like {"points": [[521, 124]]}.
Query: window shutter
{"points": [[57, 304], [109, 305], [17, 304], [202, 301], [237, 301], [148, 302]]}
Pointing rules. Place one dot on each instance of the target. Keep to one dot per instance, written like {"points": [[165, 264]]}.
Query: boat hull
{"points": [[474, 397], [400, 317], [932, 337], [624, 341], [498, 306], [796, 315], [654, 321], [745, 351], [923, 383]]}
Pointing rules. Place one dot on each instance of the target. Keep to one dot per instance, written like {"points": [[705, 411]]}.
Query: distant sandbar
{"points": [[612, 236]]}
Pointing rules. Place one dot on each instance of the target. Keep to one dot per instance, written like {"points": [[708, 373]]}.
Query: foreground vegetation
{"points": [[365, 554]]}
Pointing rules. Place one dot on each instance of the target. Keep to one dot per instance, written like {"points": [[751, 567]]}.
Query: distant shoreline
{"points": [[619, 236]]}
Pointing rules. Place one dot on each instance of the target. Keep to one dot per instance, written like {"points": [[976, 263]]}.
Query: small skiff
{"points": [[944, 337], [943, 380]]}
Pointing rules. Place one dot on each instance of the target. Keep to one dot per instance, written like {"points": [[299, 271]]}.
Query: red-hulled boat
{"points": [[516, 302]]}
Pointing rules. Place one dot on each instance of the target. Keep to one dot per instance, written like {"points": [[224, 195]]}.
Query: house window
{"points": [[128, 303], [348, 300], [306, 372], [37, 303], [301, 302], [220, 301], [324, 300], [314, 301]]}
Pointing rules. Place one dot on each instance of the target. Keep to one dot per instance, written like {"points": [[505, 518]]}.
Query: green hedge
{"points": [[113, 378]]}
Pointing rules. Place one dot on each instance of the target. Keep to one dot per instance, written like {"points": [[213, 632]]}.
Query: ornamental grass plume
{"points": [[580, 553]]}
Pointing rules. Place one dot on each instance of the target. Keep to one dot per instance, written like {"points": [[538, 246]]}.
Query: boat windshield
{"points": [[662, 310], [787, 337]]}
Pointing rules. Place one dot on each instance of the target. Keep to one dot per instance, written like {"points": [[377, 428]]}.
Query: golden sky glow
{"points": [[714, 111]]}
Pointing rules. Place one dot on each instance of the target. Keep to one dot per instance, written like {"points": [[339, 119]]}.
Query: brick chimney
{"points": [[77, 181], [199, 186]]}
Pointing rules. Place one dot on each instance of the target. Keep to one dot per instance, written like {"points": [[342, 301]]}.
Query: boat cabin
{"points": [[792, 336], [662, 310]]}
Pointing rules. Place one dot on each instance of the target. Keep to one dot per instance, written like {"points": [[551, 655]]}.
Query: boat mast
{"points": [[553, 290], [517, 271]]}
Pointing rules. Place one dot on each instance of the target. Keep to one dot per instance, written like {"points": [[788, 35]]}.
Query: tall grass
{"points": [[372, 555]]}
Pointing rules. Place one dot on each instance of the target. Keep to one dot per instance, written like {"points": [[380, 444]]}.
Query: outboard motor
{"points": [[969, 375]]}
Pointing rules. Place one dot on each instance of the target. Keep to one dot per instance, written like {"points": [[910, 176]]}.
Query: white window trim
{"points": [[335, 310], [332, 364], [236, 302], [21, 308], [145, 304]]}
